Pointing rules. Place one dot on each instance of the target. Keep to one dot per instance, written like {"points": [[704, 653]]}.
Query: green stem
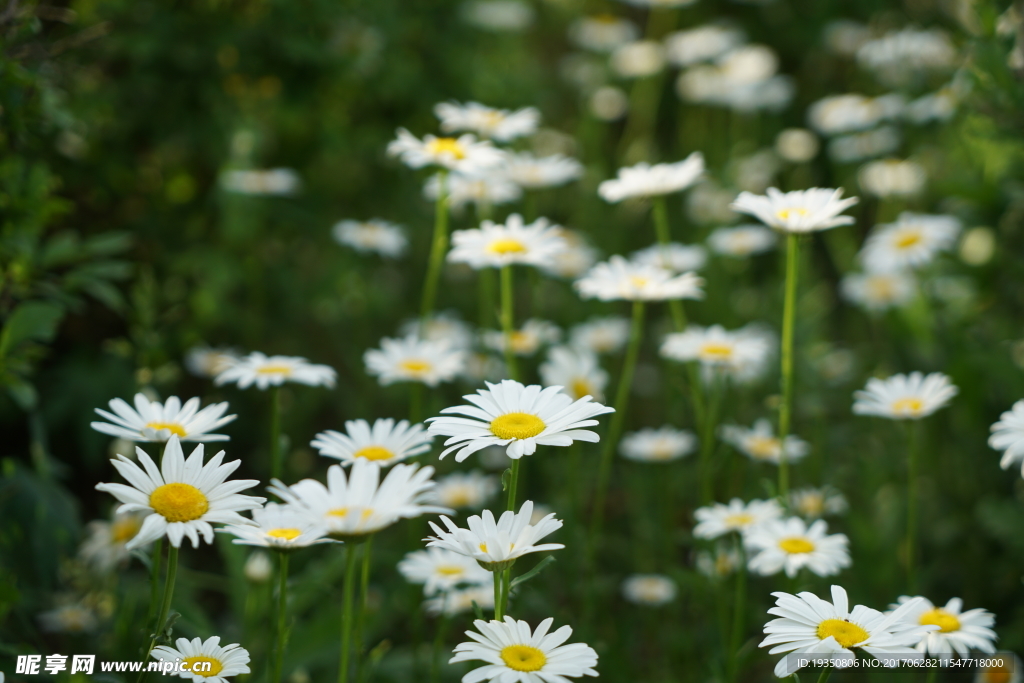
{"points": [[913, 445], [498, 607], [933, 674], [165, 604], [739, 611], [275, 432], [485, 294], [437, 248], [282, 613], [788, 324], [513, 484], [659, 210], [154, 577], [435, 655], [825, 673], [364, 592], [707, 440], [506, 589], [346, 611], [507, 320]]}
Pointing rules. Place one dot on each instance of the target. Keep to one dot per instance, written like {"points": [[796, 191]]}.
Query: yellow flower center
{"points": [[763, 446], [738, 520], [786, 214], [415, 366], [580, 388], [946, 622], [450, 570], [796, 546], [639, 282], [343, 512], [908, 239], [845, 633], [203, 666], [723, 564], [483, 547], [172, 427], [374, 453], [124, 530], [716, 351], [812, 504], [907, 406], [457, 497], [450, 146], [517, 426], [179, 502], [523, 658], [880, 287], [996, 674], [285, 534], [274, 370], [506, 245], [662, 450]]}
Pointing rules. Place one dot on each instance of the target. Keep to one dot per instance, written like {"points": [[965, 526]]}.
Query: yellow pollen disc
{"points": [[215, 667], [764, 446], [946, 622], [457, 498], [845, 633], [796, 546], [448, 146], [483, 547], [374, 453], [415, 366], [662, 451], [450, 571], [517, 426], [523, 658], [907, 406], [506, 245], [338, 512], [881, 287], [908, 239], [286, 534], [638, 282], [723, 564], [607, 19], [997, 674], [739, 520], [124, 530], [581, 388], [179, 502], [172, 427], [786, 214], [274, 370], [716, 352], [812, 505]]}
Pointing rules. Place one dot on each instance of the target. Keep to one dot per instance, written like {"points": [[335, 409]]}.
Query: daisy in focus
{"points": [[466, 489], [494, 245], [533, 173], [412, 359], [664, 444], [649, 590], [720, 518], [601, 335], [790, 545], [799, 211], [153, 421], [278, 527], [267, 371], [911, 242], [959, 632], [879, 291], [644, 180], [497, 544], [527, 340], [518, 417], [514, 652], [205, 661], [760, 443], [183, 497], [904, 397], [814, 503], [497, 124], [1008, 436], [621, 279], [106, 543], [464, 154], [372, 236], [385, 442], [678, 258], [576, 371], [441, 571]]}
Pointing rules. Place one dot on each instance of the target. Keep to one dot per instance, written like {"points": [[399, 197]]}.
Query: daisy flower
{"points": [[790, 545], [644, 180], [620, 279], [258, 568], [202, 361], [1003, 669], [904, 397], [278, 527], [466, 489], [679, 258], [74, 618], [742, 241], [720, 564], [280, 182], [649, 590], [636, 60], [445, 326], [182, 497], [205, 661], [720, 519], [372, 236], [267, 371], [441, 571], [959, 632], [497, 124], [105, 545], [799, 211], [386, 442], [741, 352], [760, 442], [808, 625], [519, 417], [657, 445], [812, 503], [155, 421], [485, 189], [495, 245], [496, 545], [576, 259], [359, 503], [1008, 436], [414, 360], [701, 44], [601, 335], [513, 653], [911, 242], [576, 371], [464, 154], [878, 291], [459, 601], [527, 340], [602, 32], [892, 178], [533, 173]]}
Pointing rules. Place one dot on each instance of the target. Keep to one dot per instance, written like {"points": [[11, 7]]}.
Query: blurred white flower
{"points": [[790, 545], [258, 567], [576, 370], [649, 590], [720, 519], [500, 16], [375, 235], [601, 335], [892, 178], [76, 618], [464, 154], [467, 489], [609, 103], [502, 125], [860, 146], [527, 340], [741, 353], [757, 171], [904, 397], [847, 113], [718, 565], [459, 601], [602, 32], [797, 145], [899, 56], [879, 291], [533, 173], [679, 258], [911, 242], [104, 547], [411, 359], [644, 180], [940, 105], [742, 79], [1008, 436], [664, 444], [742, 241], [638, 59], [267, 371], [799, 211], [441, 571], [707, 202], [576, 259], [484, 189], [444, 326], [202, 361], [274, 181], [621, 279], [701, 44], [759, 443], [813, 503], [845, 36], [494, 245]]}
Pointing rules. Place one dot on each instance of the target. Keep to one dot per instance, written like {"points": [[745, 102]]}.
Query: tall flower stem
{"points": [[437, 249], [659, 211], [788, 324], [364, 592], [709, 419], [275, 432], [739, 611], [913, 446], [165, 604], [435, 653], [348, 591], [498, 607], [508, 320], [282, 613], [154, 577], [825, 673]]}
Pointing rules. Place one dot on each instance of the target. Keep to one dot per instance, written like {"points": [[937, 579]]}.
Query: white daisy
{"points": [[464, 154], [742, 241], [601, 335], [649, 590], [527, 340], [279, 182], [536, 173], [701, 44], [459, 601], [892, 178], [621, 279], [720, 519], [577, 371], [519, 417], [904, 397], [879, 291], [75, 618], [155, 421], [359, 503], [466, 489], [495, 245], [959, 632], [790, 545], [515, 654], [258, 568], [739, 352], [1006, 668], [644, 180], [444, 326], [760, 443], [202, 361], [105, 545], [912, 241], [485, 189], [266, 371], [386, 442], [412, 359], [577, 258], [637, 59], [496, 545], [204, 661], [812, 503], [799, 211], [181, 498], [846, 113], [497, 124], [602, 32], [278, 527], [723, 562], [441, 571], [664, 444], [1008, 436], [808, 625], [679, 258], [372, 236]]}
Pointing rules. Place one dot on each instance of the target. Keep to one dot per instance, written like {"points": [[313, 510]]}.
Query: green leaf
{"points": [[540, 566], [24, 394], [477, 611], [32, 320], [506, 479]]}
